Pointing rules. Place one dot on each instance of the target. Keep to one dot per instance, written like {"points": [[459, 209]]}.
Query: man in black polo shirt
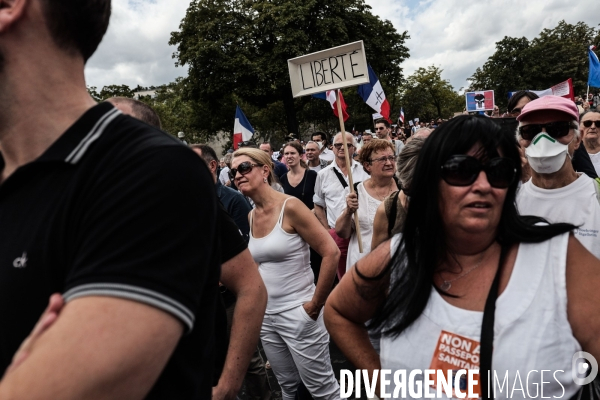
{"points": [[115, 215]]}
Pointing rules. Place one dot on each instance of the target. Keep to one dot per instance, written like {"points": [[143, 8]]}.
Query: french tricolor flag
{"points": [[372, 93], [330, 97], [401, 117], [242, 130]]}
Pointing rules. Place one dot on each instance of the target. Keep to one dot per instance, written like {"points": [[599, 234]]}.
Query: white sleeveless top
{"points": [[367, 208], [284, 264], [531, 329]]}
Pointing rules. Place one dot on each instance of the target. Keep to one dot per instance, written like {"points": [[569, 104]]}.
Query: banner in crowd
{"points": [[372, 94], [377, 116], [242, 130], [482, 100], [330, 69], [563, 89], [330, 97], [594, 75]]}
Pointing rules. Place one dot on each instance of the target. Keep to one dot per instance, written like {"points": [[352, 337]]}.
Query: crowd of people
{"points": [[133, 265]]}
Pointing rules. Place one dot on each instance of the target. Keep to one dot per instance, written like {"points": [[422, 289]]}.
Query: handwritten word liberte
{"points": [[329, 68]]}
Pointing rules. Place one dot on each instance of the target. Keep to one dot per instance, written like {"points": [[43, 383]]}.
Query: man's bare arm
{"points": [[240, 275], [321, 216], [101, 348]]}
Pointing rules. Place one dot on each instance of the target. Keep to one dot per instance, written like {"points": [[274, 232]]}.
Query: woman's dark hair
{"points": [[514, 99], [423, 244]]}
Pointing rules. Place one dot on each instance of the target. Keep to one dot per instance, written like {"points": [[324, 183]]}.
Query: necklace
{"points": [[380, 197], [448, 284]]}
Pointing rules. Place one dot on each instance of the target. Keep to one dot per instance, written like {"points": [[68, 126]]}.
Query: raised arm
{"points": [[380, 227], [583, 296], [343, 225], [301, 220], [129, 343]]}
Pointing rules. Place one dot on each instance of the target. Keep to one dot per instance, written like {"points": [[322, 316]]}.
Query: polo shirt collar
{"points": [[354, 164], [72, 145]]}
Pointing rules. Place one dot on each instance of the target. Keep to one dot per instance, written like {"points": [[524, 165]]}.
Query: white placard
{"points": [[330, 69], [377, 116]]}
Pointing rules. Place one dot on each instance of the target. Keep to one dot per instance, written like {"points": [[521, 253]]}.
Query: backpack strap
{"points": [[393, 213], [340, 177]]}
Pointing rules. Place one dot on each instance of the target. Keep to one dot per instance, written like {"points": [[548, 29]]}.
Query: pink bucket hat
{"points": [[550, 103]]}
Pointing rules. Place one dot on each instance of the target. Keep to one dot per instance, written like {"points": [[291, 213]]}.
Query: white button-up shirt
{"points": [[327, 155], [329, 192]]}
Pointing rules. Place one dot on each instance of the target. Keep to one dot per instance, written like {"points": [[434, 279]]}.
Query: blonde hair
{"points": [[260, 158]]}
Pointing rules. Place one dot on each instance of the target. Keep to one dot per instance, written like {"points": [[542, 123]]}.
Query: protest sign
{"points": [[330, 69], [377, 116], [480, 101]]}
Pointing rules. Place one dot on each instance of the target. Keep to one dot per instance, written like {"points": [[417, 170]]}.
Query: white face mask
{"points": [[545, 154], [320, 144]]}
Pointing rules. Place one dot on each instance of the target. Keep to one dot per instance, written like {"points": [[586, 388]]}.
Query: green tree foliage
{"points": [[237, 51], [427, 96], [554, 56]]}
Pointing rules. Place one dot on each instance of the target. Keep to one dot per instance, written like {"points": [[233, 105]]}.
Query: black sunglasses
{"points": [[463, 170], [589, 123], [555, 129], [244, 169], [339, 145]]}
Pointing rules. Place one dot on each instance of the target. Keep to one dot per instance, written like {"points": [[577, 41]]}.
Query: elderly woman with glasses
{"points": [[470, 284], [281, 230], [379, 161]]}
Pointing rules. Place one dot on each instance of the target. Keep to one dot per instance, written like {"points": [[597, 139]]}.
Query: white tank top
{"points": [[284, 264], [531, 329]]}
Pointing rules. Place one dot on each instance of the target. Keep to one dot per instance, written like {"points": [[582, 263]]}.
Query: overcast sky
{"points": [[455, 35]]}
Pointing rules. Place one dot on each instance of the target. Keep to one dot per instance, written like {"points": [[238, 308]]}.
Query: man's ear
{"points": [[213, 166], [10, 12]]}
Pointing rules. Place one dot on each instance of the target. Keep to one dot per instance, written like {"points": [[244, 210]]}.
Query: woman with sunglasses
{"points": [[379, 161], [469, 275], [590, 130], [281, 230]]}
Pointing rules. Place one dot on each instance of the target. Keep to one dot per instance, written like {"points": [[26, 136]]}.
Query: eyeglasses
{"points": [[244, 169], [383, 159], [463, 170], [339, 145], [589, 123], [555, 129]]}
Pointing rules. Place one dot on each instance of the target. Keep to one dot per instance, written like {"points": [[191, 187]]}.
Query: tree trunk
{"points": [[290, 111]]}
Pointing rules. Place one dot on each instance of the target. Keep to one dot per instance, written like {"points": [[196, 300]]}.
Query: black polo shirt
{"points": [[114, 208]]}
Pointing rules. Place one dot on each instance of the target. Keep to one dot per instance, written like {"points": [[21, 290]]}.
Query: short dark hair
{"points": [[141, 111], [514, 99], [77, 26], [423, 244], [319, 133], [208, 153], [382, 121], [270, 145]]}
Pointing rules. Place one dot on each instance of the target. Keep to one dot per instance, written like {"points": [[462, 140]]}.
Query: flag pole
{"points": [[587, 94], [348, 165]]}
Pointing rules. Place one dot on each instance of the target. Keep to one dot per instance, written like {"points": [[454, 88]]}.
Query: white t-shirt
{"points": [[326, 155], [576, 203], [224, 175], [367, 207], [596, 161]]}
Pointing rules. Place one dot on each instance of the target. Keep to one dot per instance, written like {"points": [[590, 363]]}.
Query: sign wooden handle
{"points": [[348, 165]]}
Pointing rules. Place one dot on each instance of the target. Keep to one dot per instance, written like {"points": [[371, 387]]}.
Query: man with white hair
{"points": [[329, 196], [549, 134]]}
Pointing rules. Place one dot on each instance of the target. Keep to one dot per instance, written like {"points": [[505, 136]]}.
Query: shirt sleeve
{"points": [[231, 237], [319, 197], [148, 234]]}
